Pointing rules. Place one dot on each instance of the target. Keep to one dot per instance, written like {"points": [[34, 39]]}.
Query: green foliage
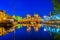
{"points": [[19, 26], [56, 6], [17, 18], [56, 36]]}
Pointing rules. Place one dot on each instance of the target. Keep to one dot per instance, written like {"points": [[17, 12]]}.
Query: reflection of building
{"points": [[9, 23], [5, 24]]}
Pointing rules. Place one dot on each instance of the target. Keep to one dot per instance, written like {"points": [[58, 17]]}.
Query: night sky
{"points": [[22, 8]]}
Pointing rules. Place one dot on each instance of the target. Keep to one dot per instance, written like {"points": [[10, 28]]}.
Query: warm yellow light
{"points": [[36, 29], [13, 16], [28, 16], [4, 18], [0, 19]]}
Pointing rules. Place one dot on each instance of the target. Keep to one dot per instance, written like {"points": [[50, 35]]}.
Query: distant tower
{"points": [[52, 13]]}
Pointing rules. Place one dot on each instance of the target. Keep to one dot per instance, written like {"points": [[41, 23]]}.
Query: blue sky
{"points": [[20, 7]]}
